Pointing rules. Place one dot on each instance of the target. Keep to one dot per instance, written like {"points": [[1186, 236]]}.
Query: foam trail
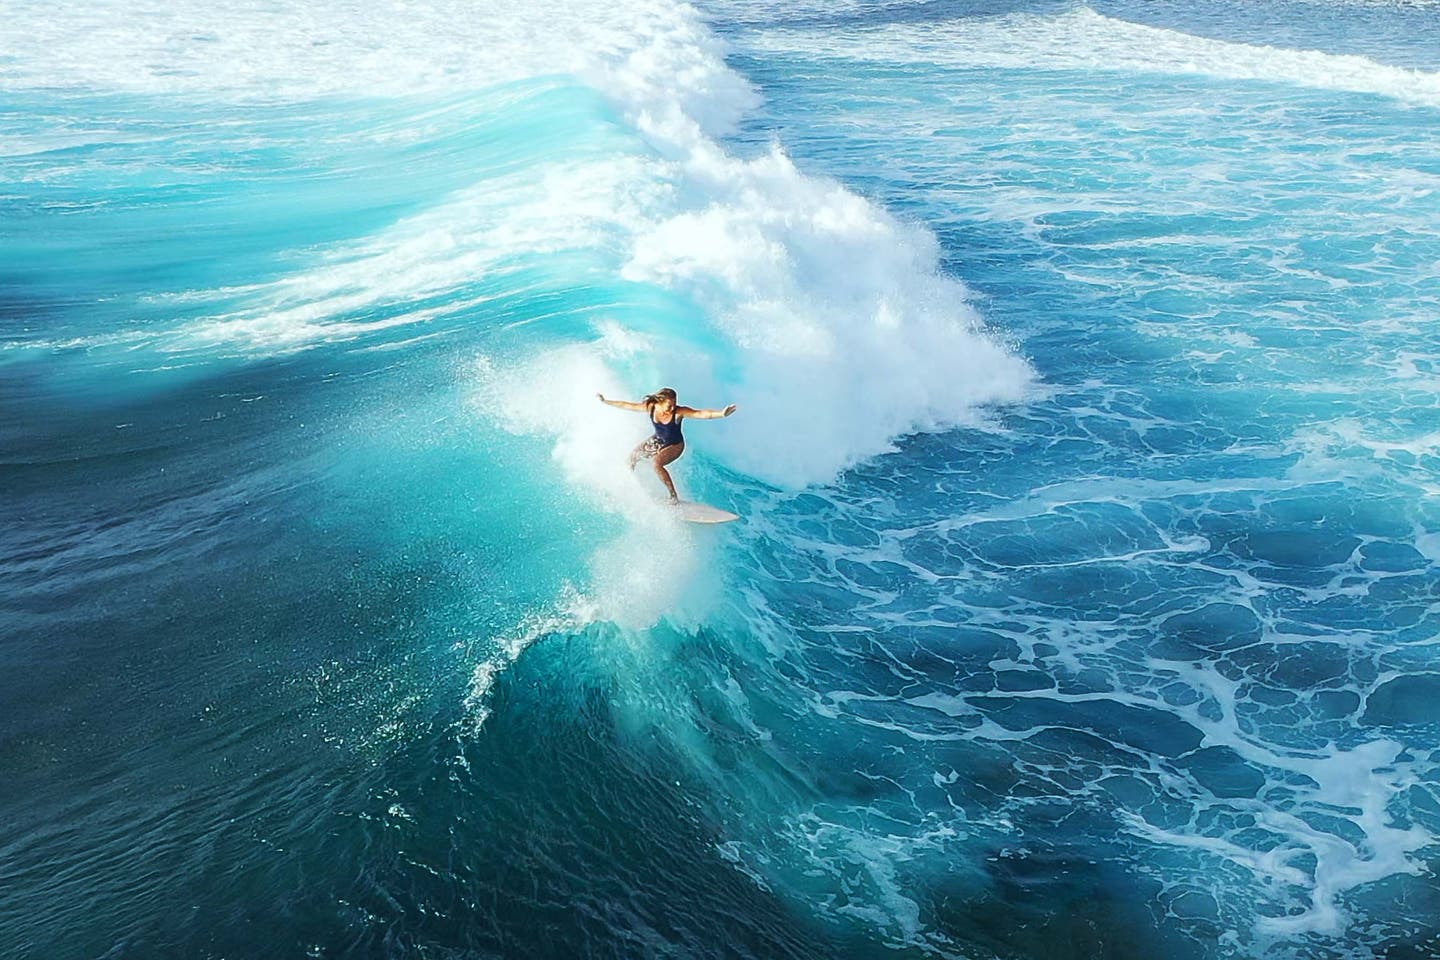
{"points": [[1087, 42], [254, 50]]}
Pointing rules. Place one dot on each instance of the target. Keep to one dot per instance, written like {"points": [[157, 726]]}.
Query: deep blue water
{"points": [[1086, 598]]}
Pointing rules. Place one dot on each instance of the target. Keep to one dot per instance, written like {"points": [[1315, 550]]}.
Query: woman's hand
{"points": [[600, 397], [728, 410]]}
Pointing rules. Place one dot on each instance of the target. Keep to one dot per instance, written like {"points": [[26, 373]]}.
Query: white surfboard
{"points": [[703, 513]]}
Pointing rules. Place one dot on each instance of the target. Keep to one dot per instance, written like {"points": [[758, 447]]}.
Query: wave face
{"points": [[1085, 597]]}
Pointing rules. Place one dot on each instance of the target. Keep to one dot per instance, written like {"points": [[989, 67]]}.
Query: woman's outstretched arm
{"points": [[622, 404], [690, 413]]}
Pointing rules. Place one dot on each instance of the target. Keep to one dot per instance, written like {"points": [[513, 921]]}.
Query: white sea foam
{"points": [[640, 575], [1330, 813], [473, 235], [255, 49], [1084, 40], [842, 330], [1356, 784]]}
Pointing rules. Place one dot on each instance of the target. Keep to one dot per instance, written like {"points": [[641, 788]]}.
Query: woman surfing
{"points": [[666, 444]]}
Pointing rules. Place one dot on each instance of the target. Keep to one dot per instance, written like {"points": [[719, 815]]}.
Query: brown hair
{"points": [[664, 393]]}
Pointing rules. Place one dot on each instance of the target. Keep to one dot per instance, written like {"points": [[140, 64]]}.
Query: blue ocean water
{"points": [[1086, 597]]}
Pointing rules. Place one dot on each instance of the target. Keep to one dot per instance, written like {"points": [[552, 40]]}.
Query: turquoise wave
{"points": [[1083, 598]]}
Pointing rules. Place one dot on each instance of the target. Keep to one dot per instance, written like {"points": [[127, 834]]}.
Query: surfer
{"points": [[666, 444]]}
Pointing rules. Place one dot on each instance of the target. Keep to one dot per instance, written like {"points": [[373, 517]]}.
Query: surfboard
{"points": [[703, 513]]}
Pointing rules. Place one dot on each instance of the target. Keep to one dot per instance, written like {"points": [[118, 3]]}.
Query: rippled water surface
{"points": [[1086, 594]]}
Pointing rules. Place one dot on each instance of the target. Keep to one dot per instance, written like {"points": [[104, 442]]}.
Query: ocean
{"points": [[1085, 600]]}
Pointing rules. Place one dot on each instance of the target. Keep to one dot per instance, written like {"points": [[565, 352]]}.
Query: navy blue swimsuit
{"points": [[667, 433]]}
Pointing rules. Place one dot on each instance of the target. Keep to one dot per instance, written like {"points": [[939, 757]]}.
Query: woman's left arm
{"points": [[690, 413]]}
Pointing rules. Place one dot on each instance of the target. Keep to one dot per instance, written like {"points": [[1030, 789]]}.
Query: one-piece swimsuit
{"points": [[665, 435]]}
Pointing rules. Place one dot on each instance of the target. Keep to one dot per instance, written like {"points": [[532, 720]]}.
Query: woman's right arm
{"points": [[622, 404]]}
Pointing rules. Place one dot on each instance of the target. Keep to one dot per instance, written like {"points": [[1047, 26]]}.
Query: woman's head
{"points": [[664, 398]]}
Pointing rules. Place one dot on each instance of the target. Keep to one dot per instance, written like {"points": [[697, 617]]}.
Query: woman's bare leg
{"points": [[668, 455]]}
